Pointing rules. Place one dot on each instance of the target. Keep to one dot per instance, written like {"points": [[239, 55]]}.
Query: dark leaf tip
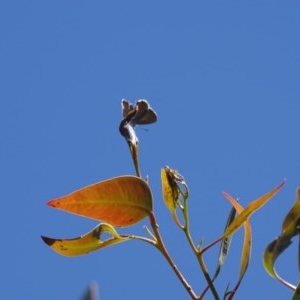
{"points": [[47, 240]]}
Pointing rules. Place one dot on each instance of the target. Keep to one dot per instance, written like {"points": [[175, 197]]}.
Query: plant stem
{"points": [[161, 247], [140, 238], [134, 153], [197, 252], [207, 277], [186, 227]]}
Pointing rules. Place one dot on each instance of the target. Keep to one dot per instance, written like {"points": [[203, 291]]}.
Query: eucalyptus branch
{"points": [[198, 254], [125, 200], [161, 247]]}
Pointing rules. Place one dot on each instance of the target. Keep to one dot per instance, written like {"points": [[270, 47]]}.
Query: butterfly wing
{"points": [[145, 114], [126, 107]]}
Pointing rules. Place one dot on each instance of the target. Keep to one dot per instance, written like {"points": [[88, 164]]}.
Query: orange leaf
{"points": [[250, 209], [246, 252], [89, 242], [120, 201]]}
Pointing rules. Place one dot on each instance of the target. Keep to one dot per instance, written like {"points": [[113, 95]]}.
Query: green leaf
{"points": [[292, 220], [290, 228], [87, 243], [296, 295], [120, 201], [273, 250]]}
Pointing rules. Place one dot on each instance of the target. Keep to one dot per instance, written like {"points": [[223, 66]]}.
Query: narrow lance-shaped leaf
{"points": [[224, 249], [92, 292], [247, 244], [120, 201], [225, 244], [87, 243], [250, 209]]}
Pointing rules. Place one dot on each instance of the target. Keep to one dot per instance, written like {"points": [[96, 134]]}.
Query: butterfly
{"points": [[139, 114]]}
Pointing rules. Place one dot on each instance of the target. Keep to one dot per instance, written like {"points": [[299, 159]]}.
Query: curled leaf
{"points": [[273, 250], [291, 223], [296, 295], [120, 201], [171, 191], [290, 228], [87, 243]]}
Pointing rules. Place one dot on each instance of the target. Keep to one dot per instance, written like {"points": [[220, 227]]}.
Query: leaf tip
{"points": [[281, 184], [47, 240], [224, 193], [53, 203]]}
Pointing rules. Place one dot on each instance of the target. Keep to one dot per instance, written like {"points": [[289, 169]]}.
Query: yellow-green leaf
{"points": [[120, 201], [291, 222], [250, 209], [290, 228], [246, 252], [87, 243], [273, 250], [170, 192]]}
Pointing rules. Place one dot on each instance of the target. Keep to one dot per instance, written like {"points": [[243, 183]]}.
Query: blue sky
{"points": [[223, 77]]}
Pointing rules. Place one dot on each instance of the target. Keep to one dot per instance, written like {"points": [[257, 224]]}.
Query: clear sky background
{"points": [[223, 77]]}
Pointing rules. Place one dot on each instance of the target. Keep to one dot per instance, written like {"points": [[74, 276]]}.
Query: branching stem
{"points": [[161, 247], [198, 253]]}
